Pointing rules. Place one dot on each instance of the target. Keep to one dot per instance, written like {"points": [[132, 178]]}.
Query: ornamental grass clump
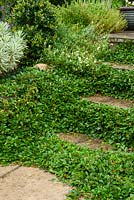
{"points": [[12, 47], [103, 18]]}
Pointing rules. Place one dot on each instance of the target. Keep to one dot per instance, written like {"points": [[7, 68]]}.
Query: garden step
{"points": [[122, 66], [27, 183], [120, 103], [85, 140], [121, 37]]}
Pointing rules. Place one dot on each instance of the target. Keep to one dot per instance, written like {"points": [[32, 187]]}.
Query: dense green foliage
{"points": [[121, 53], [36, 105], [60, 2], [37, 20], [118, 3], [35, 102], [94, 174], [75, 48], [98, 15]]}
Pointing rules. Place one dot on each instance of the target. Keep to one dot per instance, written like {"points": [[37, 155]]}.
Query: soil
{"points": [[26, 183], [120, 103], [84, 140]]}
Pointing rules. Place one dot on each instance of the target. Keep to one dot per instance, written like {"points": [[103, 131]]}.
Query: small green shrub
{"points": [[12, 47], [37, 20], [98, 14], [75, 48]]}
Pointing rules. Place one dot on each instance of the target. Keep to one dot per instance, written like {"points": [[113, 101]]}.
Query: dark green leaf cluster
{"points": [[60, 2], [36, 105], [93, 174], [36, 101], [38, 21], [121, 53]]}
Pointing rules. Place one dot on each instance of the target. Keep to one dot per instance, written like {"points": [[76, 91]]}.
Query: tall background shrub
{"points": [[98, 14], [37, 20]]}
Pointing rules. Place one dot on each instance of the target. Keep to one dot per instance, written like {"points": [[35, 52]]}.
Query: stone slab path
{"points": [[27, 183], [120, 103]]}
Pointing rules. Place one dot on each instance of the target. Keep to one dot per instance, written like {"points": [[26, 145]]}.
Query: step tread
{"points": [[122, 66], [120, 103], [122, 35]]}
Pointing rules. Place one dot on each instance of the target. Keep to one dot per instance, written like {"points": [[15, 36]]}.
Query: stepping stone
{"points": [[4, 171], [122, 66], [85, 140], [122, 36], [120, 103], [27, 183]]}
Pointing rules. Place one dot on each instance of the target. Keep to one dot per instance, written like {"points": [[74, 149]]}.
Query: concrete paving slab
{"points": [[4, 171], [26, 183]]}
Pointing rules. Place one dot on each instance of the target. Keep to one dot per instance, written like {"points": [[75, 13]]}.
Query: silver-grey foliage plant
{"points": [[12, 47]]}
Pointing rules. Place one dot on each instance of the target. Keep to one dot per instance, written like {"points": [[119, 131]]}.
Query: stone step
{"points": [[122, 66], [121, 37], [30, 183], [118, 66], [120, 103]]}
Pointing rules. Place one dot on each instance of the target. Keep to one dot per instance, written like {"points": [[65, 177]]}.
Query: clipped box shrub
{"points": [[12, 47], [37, 20]]}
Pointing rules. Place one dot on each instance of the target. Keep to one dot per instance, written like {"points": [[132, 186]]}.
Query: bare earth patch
{"points": [[84, 140], [120, 103], [27, 183]]}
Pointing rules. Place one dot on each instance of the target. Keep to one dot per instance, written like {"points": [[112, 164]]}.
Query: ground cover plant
{"points": [[93, 174], [55, 102], [121, 53], [37, 105]]}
